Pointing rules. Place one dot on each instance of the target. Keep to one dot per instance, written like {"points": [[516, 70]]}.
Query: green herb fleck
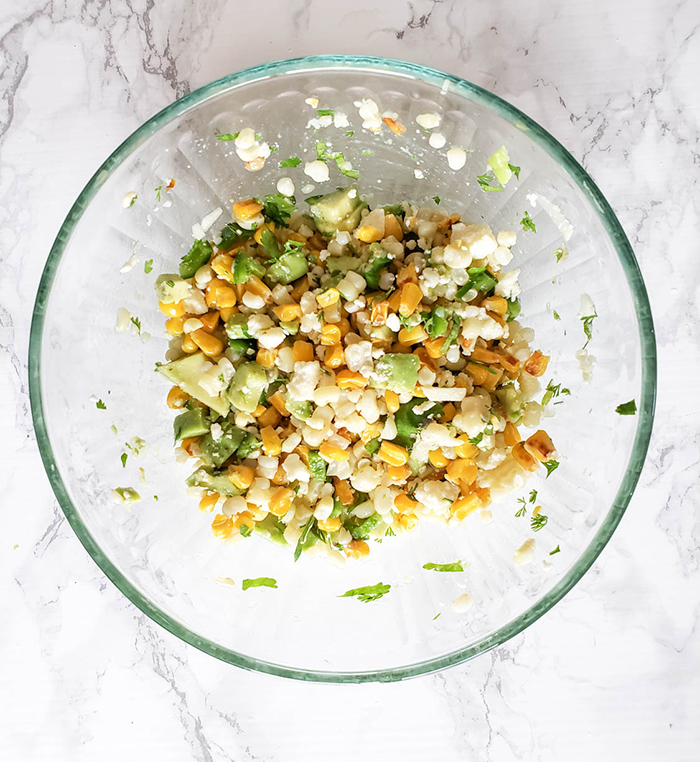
{"points": [[553, 391], [100, 405], [368, 593], [362, 530], [115, 430], [475, 440], [528, 223], [246, 531], [278, 208], [303, 538], [133, 200], [627, 408], [148, 266], [515, 170], [436, 199], [587, 321], [123, 459], [292, 161], [373, 445], [325, 111], [389, 532], [155, 497], [538, 522], [349, 133], [453, 567], [560, 253], [486, 180], [556, 550], [198, 256], [228, 136], [137, 323], [436, 615], [368, 153], [523, 508], [551, 466], [260, 582], [158, 190], [556, 315]]}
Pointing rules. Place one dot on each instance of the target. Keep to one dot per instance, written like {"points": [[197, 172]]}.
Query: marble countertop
{"points": [[612, 672]]}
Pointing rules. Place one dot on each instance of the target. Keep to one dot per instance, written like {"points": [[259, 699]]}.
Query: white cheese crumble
{"points": [[456, 157], [428, 121], [462, 603], [317, 171]]}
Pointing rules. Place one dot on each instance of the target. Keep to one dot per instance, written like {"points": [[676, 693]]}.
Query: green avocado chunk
{"points": [[216, 451], [397, 372], [215, 481], [340, 210], [191, 423], [248, 383]]}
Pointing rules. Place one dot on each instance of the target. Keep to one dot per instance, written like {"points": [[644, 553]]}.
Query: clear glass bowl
{"points": [[161, 554]]}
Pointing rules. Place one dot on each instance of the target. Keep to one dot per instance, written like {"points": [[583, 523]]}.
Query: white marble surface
{"points": [[609, 674]]}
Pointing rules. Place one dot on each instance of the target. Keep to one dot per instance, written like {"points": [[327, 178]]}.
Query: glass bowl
{"points": [[160, 552]]}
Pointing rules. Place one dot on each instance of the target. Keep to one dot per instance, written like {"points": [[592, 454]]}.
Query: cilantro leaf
{"points": [[515, 170], [228, 136], [278, 208], [552, 391], [303, 538], [560, 253], [627, 408], [480, 279], [538, 522], [123, 459], [556, 315], [587, 321], [486, 180], [556, 550], [233, 234], [292, 161], [198, 256], [325, 111], [551, 466], [148, 266], [100, 405], [158, 190], [133, 200], [513, 309], [259, 582], [368, 593], [453, 567], [408, 423], [436, 199], [349, 133], [270, 244], [317, 465], [373, 445], [528, 223], [362, 530]]}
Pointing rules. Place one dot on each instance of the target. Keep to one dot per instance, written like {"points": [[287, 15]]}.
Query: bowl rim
{"points": [[614, 230]]}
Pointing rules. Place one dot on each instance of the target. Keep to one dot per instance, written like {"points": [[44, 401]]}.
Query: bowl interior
{"points": [[161, 552]]}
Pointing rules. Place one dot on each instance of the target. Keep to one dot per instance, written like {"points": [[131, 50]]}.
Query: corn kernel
{"points": [[496, 304], [222, 265], [434, 347], [303, 351], [222, 526], [278, 401], [511, 435], [462, 470], [220, 294], [257, 287], [537, 363], [209, 321], [175, 325], [259, 410], [271, 417], [330, 335], [187, 444], [334, 357], [247, 209], [207, 503], [523, 458], [398, 473], [266, 357], [241, 476], [392, 401], [350, 379], [177, 398], [484, 494], [405, 504], [301, 287], [271, 442], [245, 518], [480, 354], [392, 454], [210, 345], [287, 313], [172, 309], [437, 458], [343, 491], [407, 274], [407, 523], [369, 234], [344, 326], [411, 296], [328, 297], [330, 525], [357, 549], [280, 476], [466, 449], [281, 501], [396, 127], [463, 506], [330, 451], [379, 313], [449, 411], [540, 446], [226, 312], [412, 336], [392, 227]]}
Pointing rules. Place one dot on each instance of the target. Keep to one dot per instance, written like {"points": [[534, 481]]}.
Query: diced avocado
{"points": [[513, 309], [237, 327], [373, 269], [272, 529], [512, 401], [249, 447], [300, 410], [340, 210], [499, 164], [241, 347], [186, 373], [171, 288], [291, 328], [191, 423], [287, 268], [398, 372], [344, 263], [198, 256], [216, 451], [244, 266], [216, 481], [247, 385]]}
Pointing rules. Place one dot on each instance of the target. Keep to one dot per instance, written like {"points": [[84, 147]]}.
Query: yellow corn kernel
{"points": [[449, 411], [372, 431], [209, 321], [393, 454], [172, 309], [188, 344], [509, 363], [334, 357], [245, 518], [257, 287], [478, 373], [495, 304], [271, 442], [407, 274], [344, 326], [411, 296], [287, 312], [392, 401], [357, 549], [343, 491], [437, 458], [434, 347], [462, 470], [328, 297], [418, 392], [222, 526], [330, 335], [369, 234], [540, 446], [222, 265], [210, 345], [395, 300], [207, 503], [177, 398], [406, 522], [511, 435], [280, 476], [523, 458], [396, 127], [219, 294], [350, 379], [379, 313], [281, 501], [175, 325], [536, 364], [303, 351], [398, 473], [330, 525], [392, 227], [278, 401], [480, 354], [466, 449], [226, 312], [247, 209], [241, 476], [405, 504], [301, 287], [463, 506], [259, 410], [484, 494], [257, 236], [414, 335], [266, 357], [271, 417], [330, 451], [187, 444]]}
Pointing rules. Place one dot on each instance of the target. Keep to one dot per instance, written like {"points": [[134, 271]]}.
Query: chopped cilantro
{"points": [[133, 200], [325, 111], [170, 283], [513, 309], [228, 136], [303, 538], [551, 466], [344, 166], [198, 256], [100, 405], [368, 153], [475, 440], [436, 199], [349, 133], [246, 531], [515, 170], [278, 208], [528, 223], [137, 323], [587, 321], [553, 390], [373, 445], [148, 266], [453, 567], [480, 279], [560, 253], [292, 161], [155, 497], [486, 180], [123, 459], [627, 408], [368, 593], [260, 582], [538, 522], [362, 530], [533, 496], [158, 190], [408, 422], [389, 532], [556, 550], [556, 315], [317, 465], [436, 615], [115, 430]]}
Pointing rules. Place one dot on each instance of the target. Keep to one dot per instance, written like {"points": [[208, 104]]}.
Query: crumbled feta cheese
{"points": [[437, 497], [506, 238], [358, 357], [123, 320], [129, 264], [295, 469], [418, 174], [393, 322], [340, 120], [428, 121], [456, 157], [442, 394], [271, 338], [258, 323], [437, 140], [365, 479], [369, 111], [304, 380], [317, 171], [507, 285], [525, 553]]}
